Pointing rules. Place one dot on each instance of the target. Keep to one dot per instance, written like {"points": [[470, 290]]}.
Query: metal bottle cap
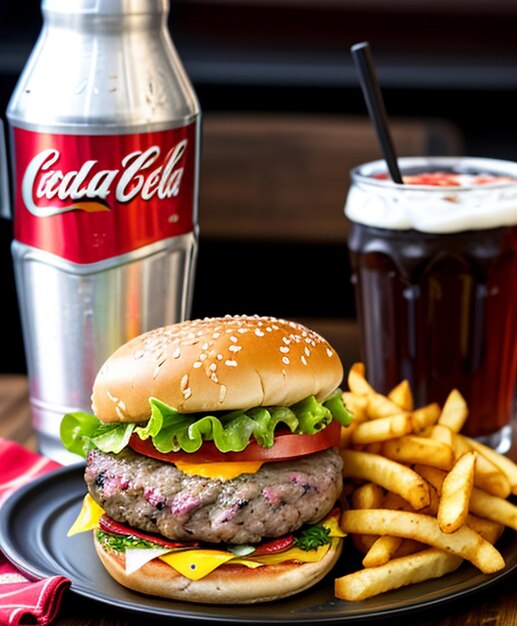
{"points": [[105, 7]]}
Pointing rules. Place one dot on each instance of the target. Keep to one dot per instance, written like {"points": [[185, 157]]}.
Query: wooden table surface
{"points": [[494, 606]]}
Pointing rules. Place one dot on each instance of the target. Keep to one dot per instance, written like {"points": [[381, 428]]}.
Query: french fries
{"points": [[423, 497], [465, 542]]}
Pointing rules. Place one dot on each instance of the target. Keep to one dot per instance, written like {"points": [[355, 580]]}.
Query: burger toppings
{"points": [[234, 431], [308, 544]]}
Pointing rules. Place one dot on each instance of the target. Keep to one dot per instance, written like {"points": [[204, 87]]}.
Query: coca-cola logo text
{"points": [[43, 181]]}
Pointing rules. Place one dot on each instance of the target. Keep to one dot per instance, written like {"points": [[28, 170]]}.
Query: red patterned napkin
{"points": [[23, 600]]}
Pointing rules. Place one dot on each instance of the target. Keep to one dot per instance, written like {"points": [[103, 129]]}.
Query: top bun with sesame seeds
{"points": [[216, 364]]}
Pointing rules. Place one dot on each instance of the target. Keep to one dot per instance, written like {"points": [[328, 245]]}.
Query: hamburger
{"points": [[211, 460]]}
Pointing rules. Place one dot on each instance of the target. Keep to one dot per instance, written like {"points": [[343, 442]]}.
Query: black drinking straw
{"points": [[363, 59]]}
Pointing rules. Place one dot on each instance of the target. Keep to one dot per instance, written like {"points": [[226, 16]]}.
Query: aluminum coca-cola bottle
{"points": [[104, 128]]}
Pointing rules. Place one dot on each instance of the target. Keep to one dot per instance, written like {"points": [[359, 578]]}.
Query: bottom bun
{"points": [[228, 584]]}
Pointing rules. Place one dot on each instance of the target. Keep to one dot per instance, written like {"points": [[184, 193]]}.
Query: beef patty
{"points": [[157, 497]]}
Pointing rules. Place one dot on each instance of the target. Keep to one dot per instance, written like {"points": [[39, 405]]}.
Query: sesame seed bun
{"points": [[228, 584], [216, 364]]}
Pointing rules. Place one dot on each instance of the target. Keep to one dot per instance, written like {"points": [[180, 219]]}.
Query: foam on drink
{"points": [[452, 199]]}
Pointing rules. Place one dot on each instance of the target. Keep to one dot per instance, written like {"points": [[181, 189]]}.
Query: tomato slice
{"points": [[287, 446]]}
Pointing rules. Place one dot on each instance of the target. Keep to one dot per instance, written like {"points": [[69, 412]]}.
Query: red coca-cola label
{"points": [[87, 198]]}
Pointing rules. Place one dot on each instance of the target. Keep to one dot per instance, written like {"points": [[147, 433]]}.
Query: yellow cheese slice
{"points": [[195, 564], [222, 471], [332, 524], [294, 554], [88, 518]]}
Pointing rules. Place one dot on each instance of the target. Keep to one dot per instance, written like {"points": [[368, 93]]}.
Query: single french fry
{"points": [[382, 551], [397, 503], [424, 417], [359, 368], [374, 448], [357, 382], [431, 563], [489, 476], [363, 543], [409, 546], [432, 475], [414, 449], [493, 508], [506, 465], [356, 404], [454, 411], [367, 496], [457, 487], [401, 395], [380, 406], [440, 432], [345, 439], [465, 542], [389, 474], [489, 530], [382, 429]]}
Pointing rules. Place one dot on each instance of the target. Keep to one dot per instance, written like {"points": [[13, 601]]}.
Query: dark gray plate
{"points": [[33, 526]]}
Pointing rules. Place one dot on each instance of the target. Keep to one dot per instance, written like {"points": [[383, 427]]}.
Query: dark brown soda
{"points": [[441, 312]]}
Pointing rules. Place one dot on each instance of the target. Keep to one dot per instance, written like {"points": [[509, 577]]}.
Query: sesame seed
{"points": [[212, 367], [234, 348], [187, 393], [203, 356], [139, 354], [286, 340], [197, 364], [307, 351], [177, 353], [233, 339], [205, 346], [304, 360], [284, 349], [216, 335], [214, 378], [219, 357], [119, 413], [222, 393], [285, 360], [329, 352], [184, 382], [230, 363], [259, 333], [112, 397]]}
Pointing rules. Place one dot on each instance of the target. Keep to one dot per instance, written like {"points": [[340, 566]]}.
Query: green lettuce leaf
{"points": [[171, 431]]}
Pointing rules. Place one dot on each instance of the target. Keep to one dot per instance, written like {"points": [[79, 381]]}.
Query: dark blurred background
{"points": [[284, 120]]}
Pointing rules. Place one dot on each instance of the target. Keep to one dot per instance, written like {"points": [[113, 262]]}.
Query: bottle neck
{"points": [[106, 8], [104, 24]]}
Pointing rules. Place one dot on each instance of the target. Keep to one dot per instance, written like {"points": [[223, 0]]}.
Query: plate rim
{"points": [[34, 570]]}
